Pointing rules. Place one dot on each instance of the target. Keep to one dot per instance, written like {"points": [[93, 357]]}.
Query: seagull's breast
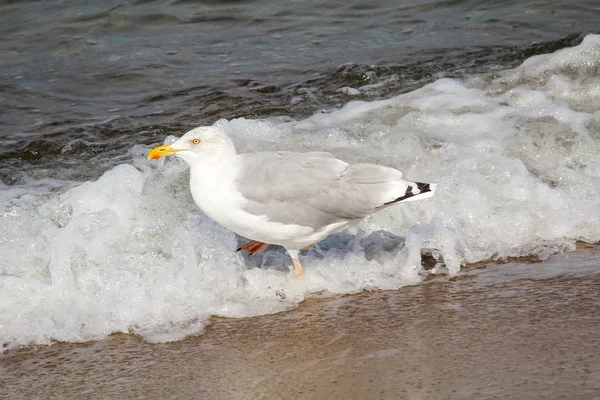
{"points": [[212, 190]]}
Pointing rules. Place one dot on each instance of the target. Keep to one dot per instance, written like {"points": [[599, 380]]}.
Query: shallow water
{"points": [[514, 151]]}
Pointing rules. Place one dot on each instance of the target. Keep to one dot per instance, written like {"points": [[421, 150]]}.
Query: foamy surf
{"points": [[514, 155]]}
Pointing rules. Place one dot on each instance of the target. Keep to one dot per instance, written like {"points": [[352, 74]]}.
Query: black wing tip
{"points": [[422, 188]]}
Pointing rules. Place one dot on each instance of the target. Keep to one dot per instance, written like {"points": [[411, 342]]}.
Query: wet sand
{"points": [[470, 337]]}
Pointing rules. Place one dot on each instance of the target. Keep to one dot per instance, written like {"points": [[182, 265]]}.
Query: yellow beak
{"points": [[161, 151]]}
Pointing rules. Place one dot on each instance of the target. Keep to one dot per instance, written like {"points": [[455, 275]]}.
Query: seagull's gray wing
{"points": [[314, 189]]}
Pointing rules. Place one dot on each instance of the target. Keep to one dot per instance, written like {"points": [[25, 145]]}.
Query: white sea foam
{"points": [[515, 155]]}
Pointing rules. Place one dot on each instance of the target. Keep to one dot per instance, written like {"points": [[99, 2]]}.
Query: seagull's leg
{"points": [[310, 246], [254, 247], [297, 265]]}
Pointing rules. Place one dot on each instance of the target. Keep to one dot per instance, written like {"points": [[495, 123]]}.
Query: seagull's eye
{"points": [[195, 141]]}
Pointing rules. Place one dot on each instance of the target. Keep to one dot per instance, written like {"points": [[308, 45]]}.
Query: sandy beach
{"points": [[506, 331]]}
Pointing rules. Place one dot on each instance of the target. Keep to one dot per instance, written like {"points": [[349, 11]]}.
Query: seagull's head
{"points": [[205, 143]]}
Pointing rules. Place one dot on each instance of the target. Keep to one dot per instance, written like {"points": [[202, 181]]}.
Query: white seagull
{"points": [[284, 198]]}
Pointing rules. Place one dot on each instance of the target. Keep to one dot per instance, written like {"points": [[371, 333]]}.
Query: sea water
{"points": [[514, 153]]}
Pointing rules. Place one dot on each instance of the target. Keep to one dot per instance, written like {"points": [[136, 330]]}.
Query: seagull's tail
{"points": [[415, 191]]}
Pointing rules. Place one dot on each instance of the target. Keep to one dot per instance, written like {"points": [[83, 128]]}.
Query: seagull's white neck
{"points": [[206, 178]]}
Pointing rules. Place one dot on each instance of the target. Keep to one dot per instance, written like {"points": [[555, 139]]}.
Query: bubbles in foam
{"points": [[514, 154]]}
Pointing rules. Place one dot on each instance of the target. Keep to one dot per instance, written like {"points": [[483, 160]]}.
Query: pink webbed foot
{"points": [[254, 247]]}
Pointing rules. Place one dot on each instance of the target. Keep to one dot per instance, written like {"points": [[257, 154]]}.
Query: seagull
{"points": [[285, 198]]}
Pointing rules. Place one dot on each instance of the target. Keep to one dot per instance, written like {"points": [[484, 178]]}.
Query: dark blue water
{"points": [[83, 81]]}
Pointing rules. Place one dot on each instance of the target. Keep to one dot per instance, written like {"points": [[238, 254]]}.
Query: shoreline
{"points": [[475, 335]]}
